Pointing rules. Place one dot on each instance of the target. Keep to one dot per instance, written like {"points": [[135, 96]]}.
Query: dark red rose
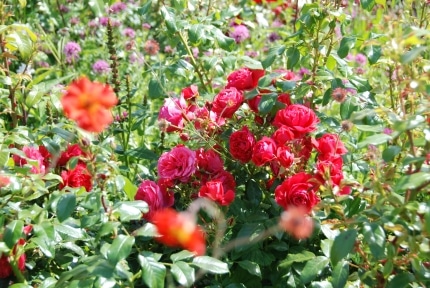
{"points": [[72, 151], [190, 93], [78, 177], [244, 79], [299, 119], [299, 191], [241, 144], [209, 161], [264, 151], [282, 136], [227, 102], [46, 156], [329, 145], [215, 191]]}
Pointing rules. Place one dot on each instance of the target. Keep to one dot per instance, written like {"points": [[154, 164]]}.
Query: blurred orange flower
{"points": [[297, 223], [179, 230], [88, 103]]}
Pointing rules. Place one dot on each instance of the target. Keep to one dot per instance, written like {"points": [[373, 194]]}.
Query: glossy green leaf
{"points": [[400, 280], [13, 232], [253, 192], [367, 4], [252, 267], [390, 153], [267, 102], [376, 139], [223, 41], [293, 55], [120, 248], [299, 257], [129, 188], [412, 181], [211, 264], [153, 272], [155, 89], [347, 107], [312, 268], [346, 44], [65, 206], [272, 54], [412, 54], [183, 273], [373, 53], [184, 254], [147, 230], [169, 18], [145, 8], [342, 245], [340, 274]]}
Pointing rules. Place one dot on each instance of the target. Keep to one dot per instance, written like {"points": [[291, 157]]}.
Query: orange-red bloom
{"points": [[297, 223], [88, 103], [179, 230]]}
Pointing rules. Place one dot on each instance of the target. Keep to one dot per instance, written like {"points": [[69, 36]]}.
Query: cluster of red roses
{"points": [[79, 176]]}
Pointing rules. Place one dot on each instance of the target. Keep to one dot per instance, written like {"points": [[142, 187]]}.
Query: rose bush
{"points": [[214, 144]]}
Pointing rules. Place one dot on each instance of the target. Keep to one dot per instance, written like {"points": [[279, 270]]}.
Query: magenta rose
{"points": [[241, 144], [244, 79], [264, 151], [32, 153], [209, 161], [227, 102], [299, 119], [177, 164], [77, 177], [172, 113], [298, 191], [329, 145], [215, 191], [151, 193]]}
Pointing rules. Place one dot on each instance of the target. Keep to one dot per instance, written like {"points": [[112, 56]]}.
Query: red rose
{"points": [[46, 156], [209, 161], [253, 103], [264, 151], [330, 172], [282, 136], [190, 93], [284, 98], [5, 267], [214, 190], [227, 102], [298, 119], [72, 151], [78, 177], [244, 79], [297, 191], [155, 197], [285, 157], [329, 145], [241, 144]]}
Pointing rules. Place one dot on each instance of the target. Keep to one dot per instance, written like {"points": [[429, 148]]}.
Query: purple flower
{"points": [[101, 67], [63, 8], [72, 50], [239, 33], [387, 131], [251, 54], [129, 32], [118, 7], [92, 24], [104, 22], [274, 36], [303, 71], [146, 26], [360, 59]]}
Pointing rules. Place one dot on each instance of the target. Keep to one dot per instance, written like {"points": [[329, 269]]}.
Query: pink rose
{"points": [[172, 113], [264, 151], [31, 153], [177, 164], [244, 79], [214, 190], [206, 120], [329, 145], [209, 161], [297, 191], [241, 144], [155, 197], [298, 119], [227, 102]]}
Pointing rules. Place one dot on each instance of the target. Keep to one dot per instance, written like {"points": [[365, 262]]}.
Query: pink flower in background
{"points": [[101, 67], [129, 32], [227, 102], [264, 151], [32, 153], [72, 51], [118, 7], [155, 197], [177, 164], [172, 112], [239, 33], [297, 223]]}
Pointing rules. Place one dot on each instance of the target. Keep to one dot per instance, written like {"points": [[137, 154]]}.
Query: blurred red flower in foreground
{"points": [[88, 103], [179, 230], [297, 223]]}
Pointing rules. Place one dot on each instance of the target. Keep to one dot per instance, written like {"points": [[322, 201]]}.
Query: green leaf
{"points": [[267, 102], [183, 273], [367, 4], [66, 135], [13, 233], [184, 254], [391, 152], [412, 181], [374, 235], [252, 267], [223, 41], [69, 232], [155, 89], [153, 272], [373, 53], [272, 54], [346, 44], [145, 8], [342, 245], [169, 17], [130, 210], [147, 230], [120, 248], [376, 139], [211, 264], [340, 274], [300, 257], [65, 206], [142, 153], [347, 107], [327, 96], [362, 85], [129, 188], [98, 7], [196, 33], [401, 280], [251, 63], [412, 54], [313, 268], [253, 192], [293, 55]]}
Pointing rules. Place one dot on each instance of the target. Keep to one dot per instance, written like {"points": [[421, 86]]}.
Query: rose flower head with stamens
{"points": [[89, 103]]}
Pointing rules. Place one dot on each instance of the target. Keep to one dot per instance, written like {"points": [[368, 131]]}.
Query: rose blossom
{"points": [[329, 145], [31, 153], [71, 151], [241, 144], [299, 119], [297, 191], [172, 112], [155, 197], [78, 177], [190, 93], [177, 164], [227, 102], [215, 191], [244, 78], [285, 157], [264, 151], [209, 161]]}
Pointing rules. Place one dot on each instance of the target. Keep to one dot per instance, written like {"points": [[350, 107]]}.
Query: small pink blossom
{"points": [[177, 164]]}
